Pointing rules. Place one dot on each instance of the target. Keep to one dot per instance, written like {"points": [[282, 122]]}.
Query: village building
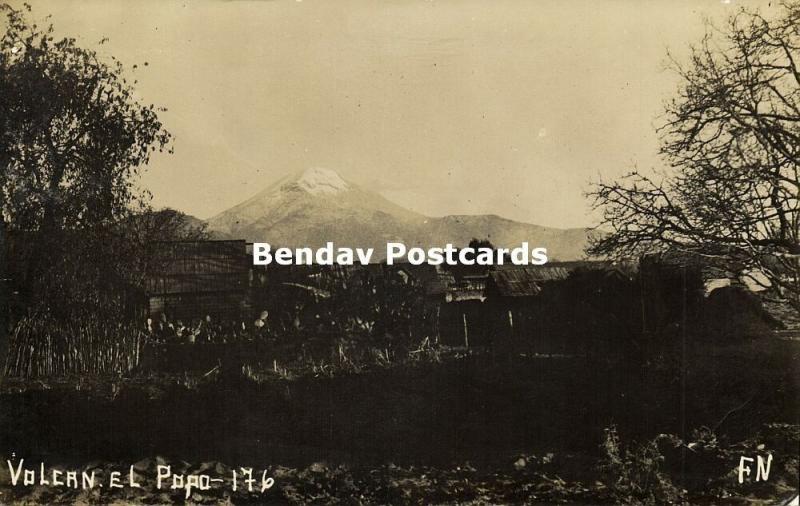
{"points": [[193, 279]]}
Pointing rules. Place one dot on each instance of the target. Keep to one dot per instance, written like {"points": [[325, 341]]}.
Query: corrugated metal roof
{"points": [[183, 267], [526, 280]]}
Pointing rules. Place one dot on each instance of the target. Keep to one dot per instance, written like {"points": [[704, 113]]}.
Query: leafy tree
{"points": [[476, 243], [461, 270], [73, 136], [732, 139]]}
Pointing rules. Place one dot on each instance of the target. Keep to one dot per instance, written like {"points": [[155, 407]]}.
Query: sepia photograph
{"points": [[409, 252]]}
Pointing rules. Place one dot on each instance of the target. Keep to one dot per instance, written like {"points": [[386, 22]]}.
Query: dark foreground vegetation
{"points": [[469, 427]]}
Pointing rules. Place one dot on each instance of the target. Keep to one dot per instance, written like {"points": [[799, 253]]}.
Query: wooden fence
{"points": [[41, 346]]}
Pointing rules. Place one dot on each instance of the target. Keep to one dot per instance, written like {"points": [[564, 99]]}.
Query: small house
{"points": [[192, 279]]}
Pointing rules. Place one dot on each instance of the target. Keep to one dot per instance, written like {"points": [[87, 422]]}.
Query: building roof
{"points": [[192, 267], [524, 281]]}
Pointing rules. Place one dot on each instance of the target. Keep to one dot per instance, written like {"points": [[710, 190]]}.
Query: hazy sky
{"points": [[446, 107]]}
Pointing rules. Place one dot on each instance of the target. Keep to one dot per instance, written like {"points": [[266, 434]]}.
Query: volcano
{"points": [[318, 205]]}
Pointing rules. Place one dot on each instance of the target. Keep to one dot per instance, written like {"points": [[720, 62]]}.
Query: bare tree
{"points": [[732, 139]]}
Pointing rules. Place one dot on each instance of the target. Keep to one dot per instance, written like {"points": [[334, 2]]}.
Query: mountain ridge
{"points": [[317, 205]]}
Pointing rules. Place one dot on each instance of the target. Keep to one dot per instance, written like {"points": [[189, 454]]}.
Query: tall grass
{"points": [[42, 346]]}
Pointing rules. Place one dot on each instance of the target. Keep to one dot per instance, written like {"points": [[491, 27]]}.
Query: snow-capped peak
{"points": [[318, 180]]}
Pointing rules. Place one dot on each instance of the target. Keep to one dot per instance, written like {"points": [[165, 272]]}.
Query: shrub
{"points": [[634, 475]]}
